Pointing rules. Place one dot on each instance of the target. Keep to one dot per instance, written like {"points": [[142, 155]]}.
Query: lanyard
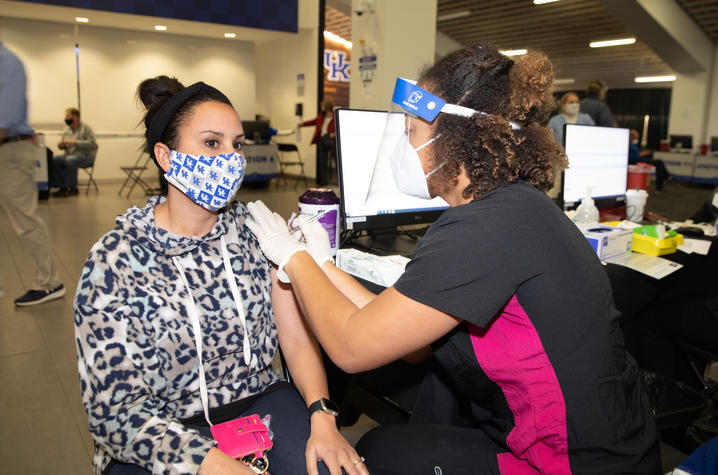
{"points": [[197, 329]]}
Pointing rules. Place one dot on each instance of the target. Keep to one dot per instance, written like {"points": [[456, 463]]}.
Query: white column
{"points": [[402, 35]]}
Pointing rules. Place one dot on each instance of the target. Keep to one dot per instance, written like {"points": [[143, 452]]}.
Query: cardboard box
{"points": [[607, 241]]}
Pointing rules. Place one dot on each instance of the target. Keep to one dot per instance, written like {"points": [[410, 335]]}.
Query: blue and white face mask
{"points": [[209, 181]]}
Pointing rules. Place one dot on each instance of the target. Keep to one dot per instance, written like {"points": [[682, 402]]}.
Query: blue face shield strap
{"points": [[419, 102]]}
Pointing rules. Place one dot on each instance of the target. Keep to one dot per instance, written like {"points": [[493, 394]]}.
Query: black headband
{"points": [[159, 122]]}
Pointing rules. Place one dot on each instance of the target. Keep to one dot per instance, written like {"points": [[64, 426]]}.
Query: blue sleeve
{"points": [[12, 92]]}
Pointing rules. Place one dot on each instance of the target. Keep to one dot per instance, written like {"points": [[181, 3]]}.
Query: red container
{"points": [[705, 149], [639, 176], [665, 145]]}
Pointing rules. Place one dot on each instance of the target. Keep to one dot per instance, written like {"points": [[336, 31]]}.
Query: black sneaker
{"points": [[61, 193], [36, 297]]}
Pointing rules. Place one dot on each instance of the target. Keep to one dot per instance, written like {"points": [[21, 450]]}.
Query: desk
{"points": [[262, 162], [690, 166]]}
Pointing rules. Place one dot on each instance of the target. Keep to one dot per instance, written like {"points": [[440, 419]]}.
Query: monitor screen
{"points": [[681, 142], [381, 205], [256, 130], [714, 145], [597, 158]]}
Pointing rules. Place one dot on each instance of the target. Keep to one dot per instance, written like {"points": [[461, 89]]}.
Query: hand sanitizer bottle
{"points": [[587, 211]]}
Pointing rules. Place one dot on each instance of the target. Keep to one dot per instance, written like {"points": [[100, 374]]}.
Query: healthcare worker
{"points": [[503, 287]]}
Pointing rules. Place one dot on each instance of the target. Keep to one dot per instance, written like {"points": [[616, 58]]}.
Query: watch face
{"points": [[330, 407]]}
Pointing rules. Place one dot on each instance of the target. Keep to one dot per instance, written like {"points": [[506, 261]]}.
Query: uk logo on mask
{"points": [[209, 181]]}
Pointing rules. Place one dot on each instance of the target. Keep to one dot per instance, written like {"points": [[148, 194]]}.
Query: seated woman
{"points": [[569, 114], [178, 313], [503, 287]]}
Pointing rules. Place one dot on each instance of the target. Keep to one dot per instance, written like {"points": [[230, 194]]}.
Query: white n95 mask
{"points": [[209, 181], [406, 168], [572, 109]]}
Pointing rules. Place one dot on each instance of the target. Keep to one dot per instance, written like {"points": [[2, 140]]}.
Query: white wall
{"points": [[112, 63], [713, 108], [277, 65]]}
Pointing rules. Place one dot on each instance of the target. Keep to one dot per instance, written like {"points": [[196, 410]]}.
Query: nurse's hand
{"points": [[316, 238], [274, 238]]}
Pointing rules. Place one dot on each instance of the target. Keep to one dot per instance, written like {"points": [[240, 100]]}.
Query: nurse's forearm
{"points": [[328, 310]]}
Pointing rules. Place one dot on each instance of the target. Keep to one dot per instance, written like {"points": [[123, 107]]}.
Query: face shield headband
{"points": [[419, 102]]}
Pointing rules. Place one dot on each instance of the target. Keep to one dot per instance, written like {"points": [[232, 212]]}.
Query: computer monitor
{"points": [[597, 158], [681, 142], [359, 134], [714, 145], [256, 130]]}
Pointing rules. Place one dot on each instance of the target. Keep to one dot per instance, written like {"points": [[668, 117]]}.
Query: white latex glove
{"points": [[274, 238], [317, 239]]}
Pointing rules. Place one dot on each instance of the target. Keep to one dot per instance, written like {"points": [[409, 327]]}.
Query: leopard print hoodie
{"points": [[136, 354]]}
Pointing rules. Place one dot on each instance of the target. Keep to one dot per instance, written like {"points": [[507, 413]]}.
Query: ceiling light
{"points": [[541, 2], [160, 28], [513, 52], [620, 42], [454, 16], [82, 19], [668, 78], [564, 81], [337, 39], [230, 35]]}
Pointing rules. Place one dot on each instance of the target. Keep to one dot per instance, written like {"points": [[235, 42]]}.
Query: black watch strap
{"points": [[325, 405]]}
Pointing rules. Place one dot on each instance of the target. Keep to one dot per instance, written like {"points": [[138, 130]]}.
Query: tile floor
{"points": [[42, 422]]}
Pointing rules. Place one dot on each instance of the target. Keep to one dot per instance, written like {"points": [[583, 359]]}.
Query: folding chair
{"points": [[90, 170], [284, 163], [134, 175], [90, 179]]}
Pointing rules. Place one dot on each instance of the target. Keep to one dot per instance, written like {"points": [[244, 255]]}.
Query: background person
{"points": [[78, 142], [569, 114], [636, 155], [324, 139], [594, 104], [187, 267], [509, 294], [18, 191]]}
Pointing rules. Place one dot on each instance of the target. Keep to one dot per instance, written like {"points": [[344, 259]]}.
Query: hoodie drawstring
{"points": [[197, 329]]}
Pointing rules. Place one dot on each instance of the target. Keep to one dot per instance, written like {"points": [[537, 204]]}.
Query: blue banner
{"points": [[277, 15]]}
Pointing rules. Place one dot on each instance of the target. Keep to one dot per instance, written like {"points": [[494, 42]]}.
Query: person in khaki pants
{"points": [[18, 193]]}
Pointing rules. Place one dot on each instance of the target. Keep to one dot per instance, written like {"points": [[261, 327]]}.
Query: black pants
{"points": [[428, 448], [661, 172], [290, 424], [324, 147]]}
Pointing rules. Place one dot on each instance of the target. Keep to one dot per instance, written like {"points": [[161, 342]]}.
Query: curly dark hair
{"points": [[486, 146]]}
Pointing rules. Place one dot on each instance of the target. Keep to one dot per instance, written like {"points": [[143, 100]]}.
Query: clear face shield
{"points": [[408, 130]]}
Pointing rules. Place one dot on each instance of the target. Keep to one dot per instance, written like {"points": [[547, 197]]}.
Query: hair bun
{"points": [[158, 89], [531, 79]]}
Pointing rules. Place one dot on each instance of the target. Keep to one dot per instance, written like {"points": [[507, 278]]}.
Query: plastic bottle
{"points": [[587, 211]]}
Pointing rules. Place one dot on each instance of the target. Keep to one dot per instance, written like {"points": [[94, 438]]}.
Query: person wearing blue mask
{"points": [[178, 316], [503, 289]]}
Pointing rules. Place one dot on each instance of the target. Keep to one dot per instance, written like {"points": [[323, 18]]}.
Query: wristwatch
{"points": [[323, 404]]}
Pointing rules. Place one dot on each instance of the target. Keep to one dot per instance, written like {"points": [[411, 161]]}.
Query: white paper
{"points": [[699, 246], [382, 270], [656, 267]]}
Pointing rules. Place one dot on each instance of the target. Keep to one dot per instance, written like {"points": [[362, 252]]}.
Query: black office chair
{"points": [[285, 148]]}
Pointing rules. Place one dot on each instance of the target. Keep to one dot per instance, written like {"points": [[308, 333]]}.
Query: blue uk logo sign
{"points": [[337, 66]]}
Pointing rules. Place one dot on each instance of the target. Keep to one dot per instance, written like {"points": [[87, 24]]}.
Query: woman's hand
{"points": [[327, 444], [220, 463]]}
